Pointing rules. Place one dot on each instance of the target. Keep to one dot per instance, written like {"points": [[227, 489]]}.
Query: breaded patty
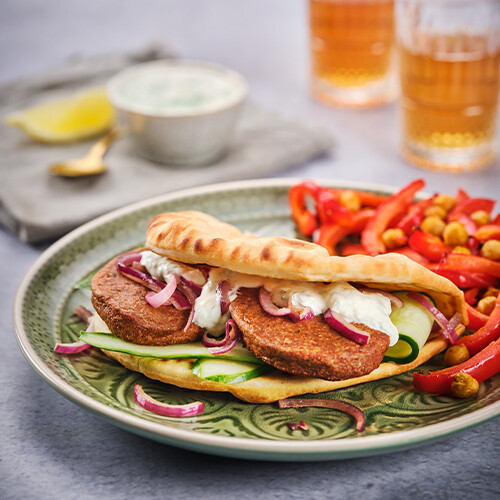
{"points": [[308, 347], [121, 303]]}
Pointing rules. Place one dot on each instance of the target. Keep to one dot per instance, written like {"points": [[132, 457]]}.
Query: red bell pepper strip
{"points": [[470, 295], [488, 232], [488, 333], [471, 205], [397, 204], [297, 198], [465, 279], [412, 219], [411, 254], [329, 210], [352, 249], [466, 220], [366, 198], [470, 263], [476, 319], [482, 366], [461, 196], [329, 235], [432, 247], [496, 220]]}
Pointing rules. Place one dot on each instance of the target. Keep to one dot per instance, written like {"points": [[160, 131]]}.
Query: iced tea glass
{"points": [[449, 71], [353, 51]]}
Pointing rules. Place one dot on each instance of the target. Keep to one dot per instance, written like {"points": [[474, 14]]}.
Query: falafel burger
{"points": [[206, 307]]}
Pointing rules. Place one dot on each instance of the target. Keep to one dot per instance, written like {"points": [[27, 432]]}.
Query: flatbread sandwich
{"points": [[203, 306]]}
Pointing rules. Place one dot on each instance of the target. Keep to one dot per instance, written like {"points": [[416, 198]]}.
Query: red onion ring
{"points": [[395, 301], [192, 285], [448, 331], [348, 330], [162, 297], [72, 348], [226, 343], [151, 404], [300, 313], [83, 313], [222, 292], [179, 301], [268, 305], [334, 404], [140, 277], [128, 258]]}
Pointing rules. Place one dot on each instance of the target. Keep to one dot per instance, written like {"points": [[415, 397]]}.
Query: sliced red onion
{"points": [[334, 404], [225, 344], [222, 292], [128, 258], [302, 426], [348, 330], [179, 301], [268, 305], [456, 320], [292, 426], [140, 277], [192, 285], [448, 331], [300, 313], [396, 302], [190, 297], [83, 313], [72, 348], [162, 297], [151, 404]]}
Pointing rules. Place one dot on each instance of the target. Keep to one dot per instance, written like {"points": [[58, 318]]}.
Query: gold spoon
{"points": [[92, 163]]}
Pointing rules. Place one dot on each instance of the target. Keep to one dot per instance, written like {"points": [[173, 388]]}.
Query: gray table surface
{"points": [[49, 447]]}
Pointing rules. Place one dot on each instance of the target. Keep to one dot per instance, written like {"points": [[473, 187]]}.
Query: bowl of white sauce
{"points": [[178, 112]]}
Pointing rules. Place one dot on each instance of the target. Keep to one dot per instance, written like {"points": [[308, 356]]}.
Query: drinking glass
{"points": [[353, 51], [449, 71]]}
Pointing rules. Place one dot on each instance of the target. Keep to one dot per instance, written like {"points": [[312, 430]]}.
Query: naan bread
{"points": [[197, 238]]}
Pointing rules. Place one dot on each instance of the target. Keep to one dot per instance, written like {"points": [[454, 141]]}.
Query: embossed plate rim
{"points": [[260, 449]]}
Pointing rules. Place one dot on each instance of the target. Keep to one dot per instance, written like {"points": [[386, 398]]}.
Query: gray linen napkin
{"points": [[37, 206]]}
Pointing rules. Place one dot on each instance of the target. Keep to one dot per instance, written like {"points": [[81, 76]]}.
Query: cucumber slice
{"points": [[227, 371], [414, 324], [109, 342]]}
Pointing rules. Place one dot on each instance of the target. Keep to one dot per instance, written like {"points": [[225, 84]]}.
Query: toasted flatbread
{"points": [[197, 238]]}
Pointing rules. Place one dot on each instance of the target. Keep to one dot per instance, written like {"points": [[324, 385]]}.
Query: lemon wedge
{"points": [[76, 117]]}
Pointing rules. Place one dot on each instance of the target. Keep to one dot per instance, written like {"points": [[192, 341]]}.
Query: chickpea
{"points": [[435, 210], [464, 385], [454, 234], [480, 217], [491, 250], [393, 238], [434, 225], [486, 305], [491, 292], [350, 200], [445, 201], [460, 249], [456, 354]]}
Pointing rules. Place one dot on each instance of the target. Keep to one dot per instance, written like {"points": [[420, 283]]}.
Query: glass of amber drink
{"points": [[449, 70], [353, 52]]}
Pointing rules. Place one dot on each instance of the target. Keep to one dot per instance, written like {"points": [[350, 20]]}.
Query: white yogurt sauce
{"points": [[179, 89], [353, 305], [161, 268]]}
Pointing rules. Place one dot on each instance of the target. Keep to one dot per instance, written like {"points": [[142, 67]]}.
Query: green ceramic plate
{"points": [[397, 416]]}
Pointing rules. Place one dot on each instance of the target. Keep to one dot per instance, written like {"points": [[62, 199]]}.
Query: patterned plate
{"points": [[397, 416]]}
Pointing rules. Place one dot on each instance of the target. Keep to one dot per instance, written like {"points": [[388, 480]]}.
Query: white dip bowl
{"points": [[178, 112]]}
